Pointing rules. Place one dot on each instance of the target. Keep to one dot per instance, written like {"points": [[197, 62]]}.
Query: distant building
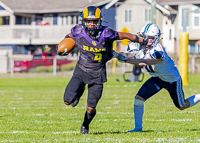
{"points": [[28, 25], [168, 15]]}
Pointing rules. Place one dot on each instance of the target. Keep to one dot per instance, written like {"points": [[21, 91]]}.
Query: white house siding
{"points": [[137, 7], [193, 31], [138, 21], [26, 34], [168, 29]]}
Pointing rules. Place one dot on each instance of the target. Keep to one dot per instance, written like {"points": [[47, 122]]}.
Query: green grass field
{"points": [[32, 110]]}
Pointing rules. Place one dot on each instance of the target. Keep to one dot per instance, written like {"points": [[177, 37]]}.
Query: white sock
{"points": [[194, 99], [138, 114]]}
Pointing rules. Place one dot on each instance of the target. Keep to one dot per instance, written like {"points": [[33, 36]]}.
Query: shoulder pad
{"points": [[157, 52], [133, 47], [108, 32], [76, 31]]}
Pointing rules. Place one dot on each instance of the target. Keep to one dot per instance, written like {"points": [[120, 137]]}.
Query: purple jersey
{"points": [[94, 53]]}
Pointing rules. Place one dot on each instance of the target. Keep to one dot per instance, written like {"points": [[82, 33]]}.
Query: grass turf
{"points": [[32, 110]]}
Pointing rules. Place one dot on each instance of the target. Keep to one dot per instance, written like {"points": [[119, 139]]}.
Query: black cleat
{"points": [[75, 102], [84, 130]]}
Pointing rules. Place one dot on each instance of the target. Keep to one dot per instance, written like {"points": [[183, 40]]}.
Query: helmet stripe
{"points": [[147, 27], [85, 13], [97, 13]]}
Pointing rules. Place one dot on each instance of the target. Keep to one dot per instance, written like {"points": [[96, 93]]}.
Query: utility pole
{"points": [[153, 11]]}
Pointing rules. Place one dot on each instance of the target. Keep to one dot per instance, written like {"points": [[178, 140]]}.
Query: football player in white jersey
{"points": [[164, 74]]}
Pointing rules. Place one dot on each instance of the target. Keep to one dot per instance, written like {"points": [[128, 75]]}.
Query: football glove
{"points": [[145, 38], [114, 54], [121, 58], [61, 53], [65, 53]]}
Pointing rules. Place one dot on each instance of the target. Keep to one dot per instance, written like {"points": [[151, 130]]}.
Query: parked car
{"points": [[43, 59]]}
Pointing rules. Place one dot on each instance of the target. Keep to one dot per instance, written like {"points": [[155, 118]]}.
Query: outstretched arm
{"points": [[128, 55], [143, 62], [133, 38], [140, 62]]}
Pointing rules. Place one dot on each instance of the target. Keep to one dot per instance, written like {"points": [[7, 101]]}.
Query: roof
{"points": [[168, 4], [158, 6], [172, 10], [177, 2], [49, 6]]}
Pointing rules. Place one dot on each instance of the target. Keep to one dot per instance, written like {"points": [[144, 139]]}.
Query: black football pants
{"points": [[75, 90]]}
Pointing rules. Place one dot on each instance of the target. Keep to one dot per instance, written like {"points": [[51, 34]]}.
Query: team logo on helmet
{"points": [[92, 13]]}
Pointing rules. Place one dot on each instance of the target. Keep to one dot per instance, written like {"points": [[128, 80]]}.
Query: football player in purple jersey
{"points": [[164, 74], [94, 42]]}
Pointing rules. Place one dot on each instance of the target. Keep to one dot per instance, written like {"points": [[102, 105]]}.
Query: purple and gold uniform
{"points": [[94, 54], [91, 66]]}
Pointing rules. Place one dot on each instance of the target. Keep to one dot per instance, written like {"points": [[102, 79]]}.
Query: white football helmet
{"points": [[151, 30]]}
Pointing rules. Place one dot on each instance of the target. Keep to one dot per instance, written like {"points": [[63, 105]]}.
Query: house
{"points": [[30, 25], [27, 26], [35, 26], [168, 15], [134, 14], [184, 17]]}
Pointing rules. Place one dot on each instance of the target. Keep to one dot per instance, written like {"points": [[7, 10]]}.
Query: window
{"points": [[74, 19], [48, 18], [192, 49], [195, 18], [77, 19], [26, 20], [128, 16], [1, 8], [196, 21], [185, 17], [55, 19], [4, 20], [147, 15], [64, 20], [38, 18]]}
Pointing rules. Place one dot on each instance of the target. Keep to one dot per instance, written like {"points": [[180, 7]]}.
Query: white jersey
{"points": [[165, 69]]}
